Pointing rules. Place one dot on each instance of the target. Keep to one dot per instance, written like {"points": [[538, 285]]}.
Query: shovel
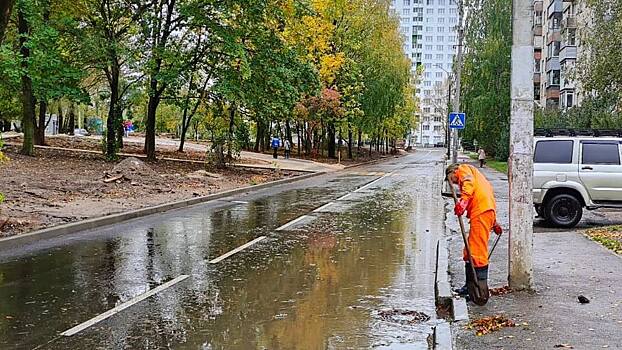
{"points": [[478, 290]]}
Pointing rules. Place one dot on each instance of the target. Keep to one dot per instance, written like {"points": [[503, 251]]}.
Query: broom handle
{"points": [[464, 238]]}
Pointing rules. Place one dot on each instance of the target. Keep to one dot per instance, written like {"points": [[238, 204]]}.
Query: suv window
{"points": [[558, 151], [600, 153]]}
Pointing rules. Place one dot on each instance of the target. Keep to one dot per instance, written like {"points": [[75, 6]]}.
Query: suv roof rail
{"points": [[578, 132]]}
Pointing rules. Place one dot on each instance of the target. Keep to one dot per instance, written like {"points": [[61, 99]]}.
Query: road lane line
{"points": [[343, 197], [373, 182], [323, 207], [239, 202], [236, 250], [119, 308], [292, 222]]}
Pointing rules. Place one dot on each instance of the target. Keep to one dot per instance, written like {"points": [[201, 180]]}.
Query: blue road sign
{"points": [[457, 120]]}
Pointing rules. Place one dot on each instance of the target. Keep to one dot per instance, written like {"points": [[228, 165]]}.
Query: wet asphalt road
{"points": [[323, 281]]}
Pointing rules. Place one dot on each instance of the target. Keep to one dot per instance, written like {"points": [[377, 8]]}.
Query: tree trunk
{"points": [[28, 100], [120, 130], [5, 14], [330, 131], [40, 125], [71, 124], [6, 125], [298, 139], [349, 141], [360, 141], [152, 107], [232, 108], [111, 122], [60, 119]]}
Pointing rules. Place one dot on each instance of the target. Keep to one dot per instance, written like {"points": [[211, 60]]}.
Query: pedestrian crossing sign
{"points": [[457, 120]]}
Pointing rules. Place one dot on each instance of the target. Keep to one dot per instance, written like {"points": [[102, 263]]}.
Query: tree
{"points": [[486, 75], [5, 14], [109, 49], [598, 68]]}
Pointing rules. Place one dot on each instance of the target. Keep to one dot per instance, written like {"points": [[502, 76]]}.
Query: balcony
{"points": [[552, 92], [537, 30], [538, 42], [536, 78], [538, 6], [569, 22], [555, 7], [567, 53], [552, 63], [553, 35]]}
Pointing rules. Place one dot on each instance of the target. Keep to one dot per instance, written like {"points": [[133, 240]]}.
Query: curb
{"points": [[55, 231], [442, 336]]}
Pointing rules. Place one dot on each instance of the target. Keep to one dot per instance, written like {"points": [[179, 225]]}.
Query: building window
{"points": [[427, 83], [427, 92], [441, 20], [452, 39], [426, 128], [406, 12], [452, 11], [537, 66], [438, 119], [554, 78], [426, 109], [439, 74], [441, 2], [428, 47], [429, 11], [430, 2], [440, 38], [571, 37], [429, 29], [439, 57], [569, 100], [453, 20], [428, 56], [437, 128], [536, 92], [406, 2], [429, 38]]}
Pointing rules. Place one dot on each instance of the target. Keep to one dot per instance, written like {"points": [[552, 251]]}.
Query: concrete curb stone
{"points": [[24, 239]]}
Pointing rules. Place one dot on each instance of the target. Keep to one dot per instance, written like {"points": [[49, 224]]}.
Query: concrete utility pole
{"points": [[521, 148], [458, 69]]}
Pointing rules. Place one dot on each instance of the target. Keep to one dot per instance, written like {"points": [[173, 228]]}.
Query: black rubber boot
{"points": [[477, 286]]}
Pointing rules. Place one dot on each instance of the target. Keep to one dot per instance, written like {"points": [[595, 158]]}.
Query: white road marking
{"points": [[239, 202], [323, 207], [236, 250], [119, 308], [292, 222], [373, 182], [343, 197]]}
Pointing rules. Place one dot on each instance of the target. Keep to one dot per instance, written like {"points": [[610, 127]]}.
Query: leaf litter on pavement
{"points": [[610, 237], [490, 324], [500, 290]]}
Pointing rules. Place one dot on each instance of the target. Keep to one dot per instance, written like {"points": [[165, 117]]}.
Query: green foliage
{"points": [[243, 135], [599, 68], [597, 112], [486, 75]]}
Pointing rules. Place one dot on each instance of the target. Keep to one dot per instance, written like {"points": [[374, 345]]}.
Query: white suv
{"points": [[575, 172]]}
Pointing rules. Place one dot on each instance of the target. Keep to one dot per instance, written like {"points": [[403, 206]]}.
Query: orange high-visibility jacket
{"points": [[476, 189]]}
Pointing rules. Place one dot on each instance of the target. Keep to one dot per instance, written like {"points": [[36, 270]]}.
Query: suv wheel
{"points": [[563, 210]]}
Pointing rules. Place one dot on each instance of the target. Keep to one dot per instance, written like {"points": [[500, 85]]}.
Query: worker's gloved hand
{"points": [[461, 207], [497, 228]]}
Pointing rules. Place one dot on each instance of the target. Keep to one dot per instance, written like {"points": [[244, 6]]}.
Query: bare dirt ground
{"points": [[57, 187], [162, 151]]}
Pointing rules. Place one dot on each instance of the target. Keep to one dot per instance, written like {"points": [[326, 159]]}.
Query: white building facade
{"points": [[430, 39]]}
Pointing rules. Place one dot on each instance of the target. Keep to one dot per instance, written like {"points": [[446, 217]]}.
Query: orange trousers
{"points": [[479, 233]]}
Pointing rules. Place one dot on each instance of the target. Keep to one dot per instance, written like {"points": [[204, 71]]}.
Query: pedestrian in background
{"points": [[276, 142], [481, 155], [287, 147]]}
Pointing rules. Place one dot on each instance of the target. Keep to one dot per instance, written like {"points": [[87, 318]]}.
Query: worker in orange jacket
{"points": [[477, 199]]}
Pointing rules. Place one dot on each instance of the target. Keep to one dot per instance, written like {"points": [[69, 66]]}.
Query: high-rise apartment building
{"points": [[556, 49], [430, 39]]}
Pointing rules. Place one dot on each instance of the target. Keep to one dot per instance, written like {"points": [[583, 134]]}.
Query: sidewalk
{"points": [[566, 265]]}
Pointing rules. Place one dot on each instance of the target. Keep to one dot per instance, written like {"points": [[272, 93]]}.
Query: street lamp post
{"points": [[447, 131]]}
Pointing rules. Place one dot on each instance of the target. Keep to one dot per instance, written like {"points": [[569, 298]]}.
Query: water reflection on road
{"points": [[317, 285]]}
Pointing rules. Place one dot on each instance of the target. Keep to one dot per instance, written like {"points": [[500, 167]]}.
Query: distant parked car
{"points": [[81, 132], [439, 144]]}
